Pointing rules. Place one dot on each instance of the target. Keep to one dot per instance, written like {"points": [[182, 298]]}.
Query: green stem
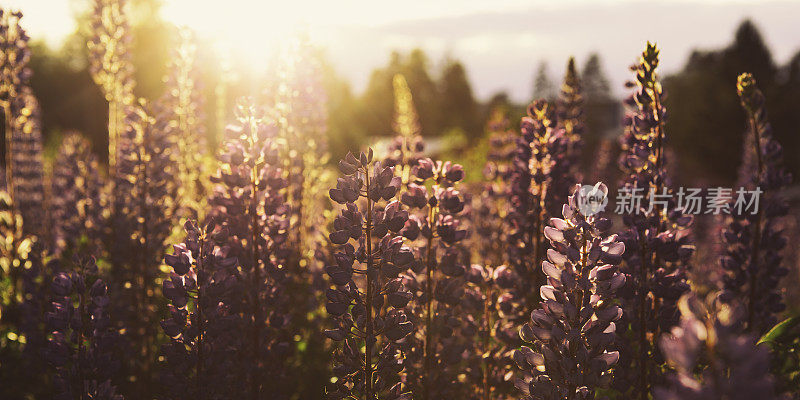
{"points": [[753, 281], [370, 334], [429, 286], [9, 160], [199, 378], [255, 378]]}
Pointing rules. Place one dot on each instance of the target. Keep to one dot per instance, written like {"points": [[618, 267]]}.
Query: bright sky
{"points": [[500, 41]]}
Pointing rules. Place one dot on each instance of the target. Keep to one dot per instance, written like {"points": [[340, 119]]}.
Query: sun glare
{"points": [[250, 31]]}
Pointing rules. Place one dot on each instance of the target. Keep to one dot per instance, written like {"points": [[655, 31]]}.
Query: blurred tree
{"points": [[499, 100], [543, 86], [703, 120], [343, 134], [705, 117], [594, 80], [601, 110], [426, 94], [69, 98], [67, 94], [786, 119], [749, 53], [375, 109], [458, 106]]}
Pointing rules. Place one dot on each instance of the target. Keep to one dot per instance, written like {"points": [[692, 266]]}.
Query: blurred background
{"points": [[460, 58]]}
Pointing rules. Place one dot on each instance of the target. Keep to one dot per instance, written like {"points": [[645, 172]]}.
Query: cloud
{"points": [[499, 41], [501, 49]]}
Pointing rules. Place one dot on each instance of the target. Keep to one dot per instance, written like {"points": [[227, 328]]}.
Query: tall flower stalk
{"points": [[141, 222], [21, 216], [111, 67], [407, 146], [754, 239], [301, 114], [27, 159], [489, 213], [301, 101], [438, 280], [710, 356], [249, 202], [497, 337], [656, 238], [532, 178], [201, 288], [181, 112], [23, 300], [14, 75], [22, 129], [368, 301], [573, 331], [83, 347], [76, 185]]}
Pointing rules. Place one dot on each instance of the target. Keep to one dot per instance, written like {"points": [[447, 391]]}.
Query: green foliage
{"points": [[458, 106], [782, 332], [784, 340]]}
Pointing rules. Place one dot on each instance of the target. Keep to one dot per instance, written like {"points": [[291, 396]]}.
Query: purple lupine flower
{"points": [[202, 291], [573, 331], [249, 201], [76, 211], [496, 338], [28, 176], [25, 300], [35, 288], [488, 358], [445, 328], [180, 112], [368, 299], [301, 101], [23, 147], [14, 70], [407, 146], [659, 247], [83, 348], [111, 66], [490, 209], [753, 237], [22, 212], [141, 220], [538, 149], [711, 358]]}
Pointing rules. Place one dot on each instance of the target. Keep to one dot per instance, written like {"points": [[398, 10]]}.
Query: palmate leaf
{"points": [[784, 331]]}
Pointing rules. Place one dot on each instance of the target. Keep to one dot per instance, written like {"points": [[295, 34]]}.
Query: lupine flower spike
{"points": [[572, 333], [83, 347], [538, 148], [753, 236], [711, 359], [368, 299], [407, 146], [111, 66], [201, 288], [657, 236], [438, 280], [249, 201]]}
